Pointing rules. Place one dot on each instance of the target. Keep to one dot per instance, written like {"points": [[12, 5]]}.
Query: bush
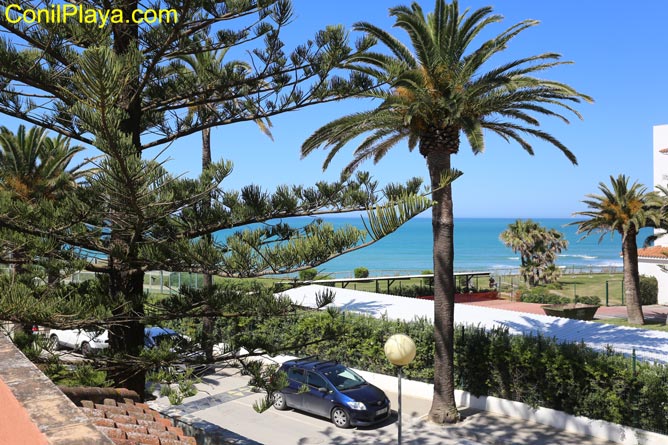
{"points": [[413, 291], [361, 272], [308, 274], [649, 290], [542, 296], [593, 300], [427, 281]]}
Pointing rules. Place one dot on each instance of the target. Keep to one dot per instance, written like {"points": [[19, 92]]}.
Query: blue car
{"points": [[155, 335], [329, 389]]}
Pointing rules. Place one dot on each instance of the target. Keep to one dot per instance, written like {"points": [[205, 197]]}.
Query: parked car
{"points": [[88, 342], [155, 335], [329, 389]]}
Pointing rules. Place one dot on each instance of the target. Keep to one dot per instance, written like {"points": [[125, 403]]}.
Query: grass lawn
{"points": [[580, 284], [592, 285]]}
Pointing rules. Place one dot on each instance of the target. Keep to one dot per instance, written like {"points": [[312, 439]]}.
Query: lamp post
{"points": [[400, 351]]}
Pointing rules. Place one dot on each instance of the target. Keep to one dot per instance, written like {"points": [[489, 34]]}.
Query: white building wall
{"points": [[660, 166], [650, 267]]}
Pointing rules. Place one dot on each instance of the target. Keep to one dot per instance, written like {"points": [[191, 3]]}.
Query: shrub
{"points": [[361, 272], [427, 281], [308, 274], [413, 291], [542, 296], [593, 300], [649, 290]]}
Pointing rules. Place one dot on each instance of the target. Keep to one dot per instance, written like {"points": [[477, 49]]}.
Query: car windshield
{"points": [[343, 378]]}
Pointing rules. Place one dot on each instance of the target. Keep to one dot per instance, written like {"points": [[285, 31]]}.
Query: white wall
{"points": [[660, 166], [601, 429], [650, 267]]}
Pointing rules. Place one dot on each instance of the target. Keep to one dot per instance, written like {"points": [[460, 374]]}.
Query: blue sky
{"points": [[620, 56], [621, 59]]}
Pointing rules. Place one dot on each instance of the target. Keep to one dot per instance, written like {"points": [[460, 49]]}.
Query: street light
{"points": [[400, 351]]}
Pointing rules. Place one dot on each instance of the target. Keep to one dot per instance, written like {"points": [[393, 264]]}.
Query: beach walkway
{"points": [[649, 345]]}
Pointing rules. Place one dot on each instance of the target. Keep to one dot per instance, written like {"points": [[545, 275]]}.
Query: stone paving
{"points": [[187, 415], [216, 399]]}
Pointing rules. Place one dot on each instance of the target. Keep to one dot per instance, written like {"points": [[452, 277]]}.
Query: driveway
{"points": [[224, 406]]}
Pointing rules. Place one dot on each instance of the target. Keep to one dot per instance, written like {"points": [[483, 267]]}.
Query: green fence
{"points": [[608, 287]]}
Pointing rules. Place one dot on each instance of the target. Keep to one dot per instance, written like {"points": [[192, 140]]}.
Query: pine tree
{"points": [[111, 87]]}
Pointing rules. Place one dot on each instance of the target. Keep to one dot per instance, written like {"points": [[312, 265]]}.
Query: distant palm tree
{"points": [[440, 89], [624, 210], [207, 67], [538, 247], [35, 166]]}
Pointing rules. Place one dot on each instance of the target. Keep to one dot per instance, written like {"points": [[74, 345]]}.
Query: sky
{"points": [[620, 59]]}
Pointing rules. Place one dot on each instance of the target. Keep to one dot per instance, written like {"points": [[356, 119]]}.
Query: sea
{"points": [[409, 250]]}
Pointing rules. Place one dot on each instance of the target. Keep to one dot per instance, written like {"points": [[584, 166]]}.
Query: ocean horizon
{"points": [[477, 248]]}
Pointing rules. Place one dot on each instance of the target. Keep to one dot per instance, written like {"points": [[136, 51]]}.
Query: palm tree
{"points": [[538, 247], [34, 166], [437, 91], [207, 67], [624, 210]]}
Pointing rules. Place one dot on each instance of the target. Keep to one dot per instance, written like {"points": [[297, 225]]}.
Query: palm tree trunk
{"points": [[444, 407], [208, 323], [632, 279], [206, 148]]}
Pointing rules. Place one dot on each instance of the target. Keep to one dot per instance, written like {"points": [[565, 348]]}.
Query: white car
{"points": [[88, 342]]}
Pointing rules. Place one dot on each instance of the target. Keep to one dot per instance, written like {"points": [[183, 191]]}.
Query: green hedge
{"points": [[308, 274], [596, 301], [532, 369], [412, 291], [542, 296], [649, 290]]}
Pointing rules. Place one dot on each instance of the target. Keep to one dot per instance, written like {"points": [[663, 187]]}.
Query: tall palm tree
{"points": [[207, 67], [538, 247], [440, 89], [624, 210]]}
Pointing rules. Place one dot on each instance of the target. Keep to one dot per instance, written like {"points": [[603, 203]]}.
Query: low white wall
{"points": [[556, 419]]}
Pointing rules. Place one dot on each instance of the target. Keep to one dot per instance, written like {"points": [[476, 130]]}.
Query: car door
{"points": [[318, 400], [293, 393], [69, 337]]}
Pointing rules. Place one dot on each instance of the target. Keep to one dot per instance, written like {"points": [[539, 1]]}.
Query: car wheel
{"points": [[279, 401], [86, 350], [54, 342], [340, 417]]}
